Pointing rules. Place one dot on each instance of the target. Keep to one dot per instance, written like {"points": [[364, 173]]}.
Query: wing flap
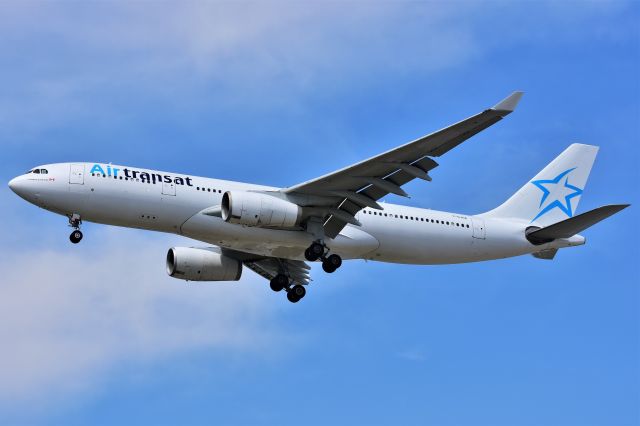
{"points": [[269, 267], [334, 225]]}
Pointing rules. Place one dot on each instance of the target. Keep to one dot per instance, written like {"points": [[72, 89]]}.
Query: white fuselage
{"points": [[173, 203]]}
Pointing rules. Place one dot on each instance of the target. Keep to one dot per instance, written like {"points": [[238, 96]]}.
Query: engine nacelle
{"points": [[202, 264], [256, 209]]}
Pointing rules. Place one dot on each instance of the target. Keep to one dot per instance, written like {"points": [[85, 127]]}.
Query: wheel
{"points": [[309, 256], [331, 263], [326, 266], [314, 252], [292, 297], [299, 291], [335, 260], [278, 282], [75, 237]]}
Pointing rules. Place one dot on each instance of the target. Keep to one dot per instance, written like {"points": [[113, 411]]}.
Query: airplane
{"points": [[277, 232]]}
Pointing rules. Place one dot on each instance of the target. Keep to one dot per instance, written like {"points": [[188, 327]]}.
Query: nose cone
{"points": [[14, 184], [19, 186]]}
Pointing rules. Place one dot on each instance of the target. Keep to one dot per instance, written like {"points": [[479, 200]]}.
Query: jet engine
{"points": [[202, 264], [261, 210]]}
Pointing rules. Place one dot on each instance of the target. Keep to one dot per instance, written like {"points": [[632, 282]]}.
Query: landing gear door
{"points": [[479, 230], [169, 188], [76, 174]]}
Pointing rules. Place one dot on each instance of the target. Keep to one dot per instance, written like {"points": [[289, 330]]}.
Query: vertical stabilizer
{"points": [[554, 193]]}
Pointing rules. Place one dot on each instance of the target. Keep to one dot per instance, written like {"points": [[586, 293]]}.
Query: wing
{"points": [[343, 193], [269, 267]]}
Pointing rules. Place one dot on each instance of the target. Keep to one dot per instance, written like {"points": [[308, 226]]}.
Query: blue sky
{"points": [[278, 93]]}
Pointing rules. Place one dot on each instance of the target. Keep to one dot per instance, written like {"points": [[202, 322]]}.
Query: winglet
{"points": [[509, 103]]}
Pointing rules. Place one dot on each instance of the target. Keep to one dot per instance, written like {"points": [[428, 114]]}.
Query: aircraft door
{"points": [[479, 230], [76, 174], [168, 188]]}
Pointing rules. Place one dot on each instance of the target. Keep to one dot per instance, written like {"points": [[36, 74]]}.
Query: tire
{"points": [[75, 237], [278, 282], [327, 267], [299, 291], [335, 261], [316, 249], [331, 263], [292, 297], [309, 256]]}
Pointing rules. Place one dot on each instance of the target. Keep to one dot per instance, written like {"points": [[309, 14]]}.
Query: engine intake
{"points": [[202, 264], [261, 210]]}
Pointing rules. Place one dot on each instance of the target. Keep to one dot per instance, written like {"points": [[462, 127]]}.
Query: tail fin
{"points": [[554, 193]]}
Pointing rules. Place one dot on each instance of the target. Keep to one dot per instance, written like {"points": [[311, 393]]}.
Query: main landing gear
{"points": [[75, 222], [282, 282], [319, 251]]}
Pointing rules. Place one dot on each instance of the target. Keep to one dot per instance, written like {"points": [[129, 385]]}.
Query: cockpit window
{"points": [[30, 171], [44, 171], [36, 171]]}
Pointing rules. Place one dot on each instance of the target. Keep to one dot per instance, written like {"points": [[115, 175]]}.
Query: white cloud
{"points": [[89, 62], [70, 61], [69, 317]]}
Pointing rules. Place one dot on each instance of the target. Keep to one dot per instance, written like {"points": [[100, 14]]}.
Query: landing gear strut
{"points": [[318, 251], [75, 222]]}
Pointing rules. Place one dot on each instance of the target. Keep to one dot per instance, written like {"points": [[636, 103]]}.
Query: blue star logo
{"points": [[557, 193]]}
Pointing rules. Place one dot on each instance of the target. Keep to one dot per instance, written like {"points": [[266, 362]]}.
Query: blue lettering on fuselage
{"points": [[144, 176], [97, 169]]}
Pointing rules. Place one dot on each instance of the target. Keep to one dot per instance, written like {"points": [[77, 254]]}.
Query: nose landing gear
{"points": [[75, 236], [319, 251], [75, 221]]}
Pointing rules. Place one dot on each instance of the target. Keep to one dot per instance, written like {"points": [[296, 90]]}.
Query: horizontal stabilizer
{"points": [[570, 227]]}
